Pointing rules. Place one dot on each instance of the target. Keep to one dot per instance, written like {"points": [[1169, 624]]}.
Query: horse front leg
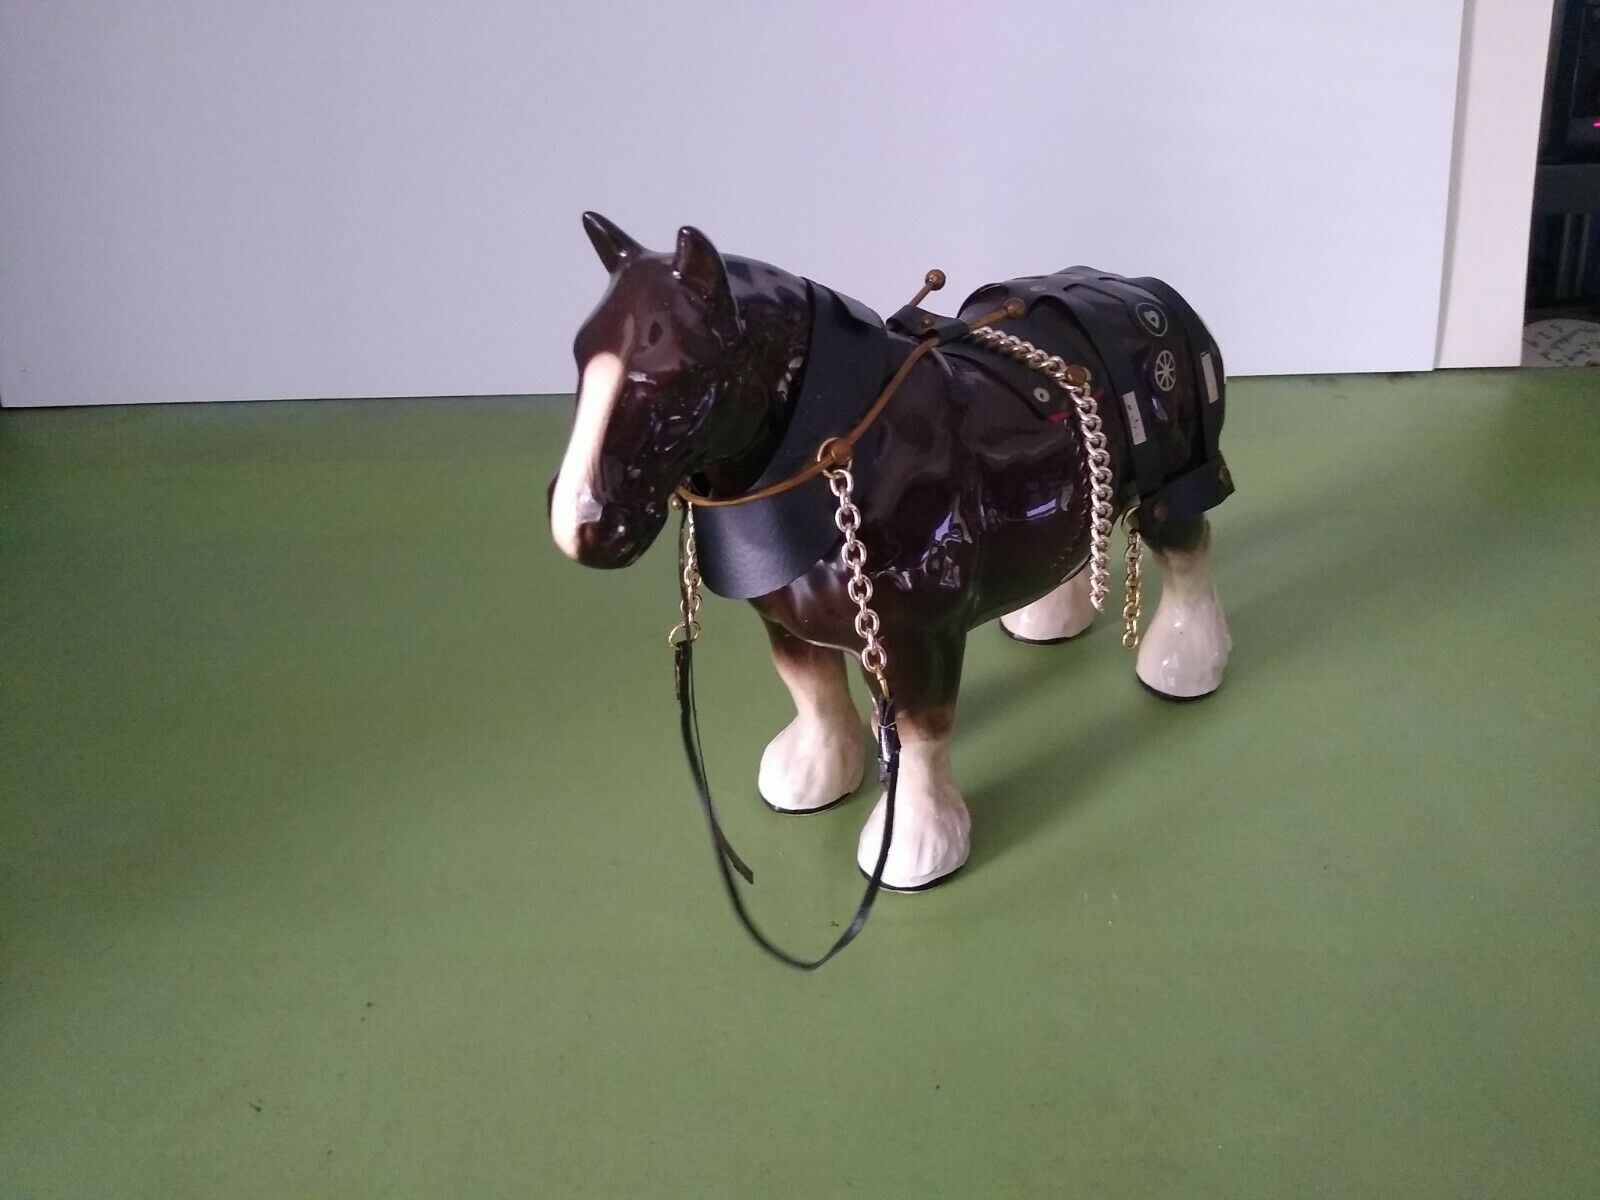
{"points": [[932, 828], [818, 759], [1058, 616]]}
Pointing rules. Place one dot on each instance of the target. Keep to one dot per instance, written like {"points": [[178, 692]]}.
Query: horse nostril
{"points": [[603, 543]]}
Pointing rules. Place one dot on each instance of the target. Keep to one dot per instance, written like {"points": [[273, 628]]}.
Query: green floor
{"points": [[346, 851]]}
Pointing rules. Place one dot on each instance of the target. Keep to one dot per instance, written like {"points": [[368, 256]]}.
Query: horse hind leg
{"points": [[1184, 651], [1056, 616]]}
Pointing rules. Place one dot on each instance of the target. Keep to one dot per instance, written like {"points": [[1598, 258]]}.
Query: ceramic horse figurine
{"points": [[720, 375]]}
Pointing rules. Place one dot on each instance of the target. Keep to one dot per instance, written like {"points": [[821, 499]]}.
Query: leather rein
{"points": [[833, 458]]}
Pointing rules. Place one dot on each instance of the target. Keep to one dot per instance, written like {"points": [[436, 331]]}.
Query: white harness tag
{"points": [[1130, 405]]}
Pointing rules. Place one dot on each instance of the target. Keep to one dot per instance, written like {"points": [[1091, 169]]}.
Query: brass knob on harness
{"points": [[835, 454], [931, 282]]}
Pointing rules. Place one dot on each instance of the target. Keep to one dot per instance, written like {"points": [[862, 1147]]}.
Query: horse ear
{"points": [[612, 245], [699, 265]]}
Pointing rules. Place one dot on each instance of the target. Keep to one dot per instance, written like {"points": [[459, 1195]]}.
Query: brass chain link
{"points": [[874, 659], [1096, 458], [1130, 586], [688, 628]]}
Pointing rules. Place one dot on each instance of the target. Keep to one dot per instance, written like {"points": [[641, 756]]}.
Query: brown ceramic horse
{"points": [[973, 508]]}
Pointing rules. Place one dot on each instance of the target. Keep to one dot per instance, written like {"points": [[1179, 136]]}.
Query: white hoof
{"points": [[932, 828], [1063, 613], [1185, 650], [811, 766]]}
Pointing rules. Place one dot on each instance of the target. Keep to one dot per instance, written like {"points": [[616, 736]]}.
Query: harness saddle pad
{"points": [[1151, 360]]}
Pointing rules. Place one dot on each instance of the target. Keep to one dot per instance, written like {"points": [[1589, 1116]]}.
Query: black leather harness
{"points": [[1142, 341], [1153, 354]]}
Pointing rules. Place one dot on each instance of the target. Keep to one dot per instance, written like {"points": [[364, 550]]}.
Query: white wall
{"points": [[1500, 91], [210, 200]]}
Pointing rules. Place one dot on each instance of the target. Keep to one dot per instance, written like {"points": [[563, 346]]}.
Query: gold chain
{"points": [[1096, 458], [688, 629], [1130, 587], [874, 659]]}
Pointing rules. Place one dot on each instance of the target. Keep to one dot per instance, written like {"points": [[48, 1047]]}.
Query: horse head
{"points": [[670, 382]]}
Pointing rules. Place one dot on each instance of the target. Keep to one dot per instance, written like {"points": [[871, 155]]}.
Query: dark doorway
{"points": [[1563, 301]]}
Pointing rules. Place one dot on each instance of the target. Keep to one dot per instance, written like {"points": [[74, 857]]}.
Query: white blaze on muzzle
{"points": [[574, 503]]}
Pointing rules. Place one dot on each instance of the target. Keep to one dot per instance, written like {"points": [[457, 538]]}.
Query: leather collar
{"points": [[752, 549]]}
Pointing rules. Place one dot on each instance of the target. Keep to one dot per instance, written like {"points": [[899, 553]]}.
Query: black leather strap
{"points": [[919, 323], [1102, 316], [1209, 377], [728, 861], [1195, 491]]}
